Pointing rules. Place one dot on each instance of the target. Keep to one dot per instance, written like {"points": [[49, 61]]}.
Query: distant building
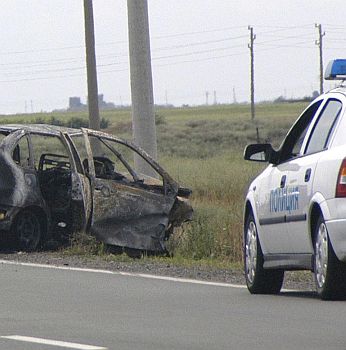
{"points": [[75, 104], [105, 105]]}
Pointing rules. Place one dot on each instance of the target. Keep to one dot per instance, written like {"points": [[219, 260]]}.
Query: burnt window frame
{"points": [[30, 160], [60, 138]]}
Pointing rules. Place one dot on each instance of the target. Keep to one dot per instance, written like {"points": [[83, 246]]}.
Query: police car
{"points": [[295, 210]]}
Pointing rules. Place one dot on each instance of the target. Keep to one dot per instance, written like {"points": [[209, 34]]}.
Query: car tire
{"points": [[330, 273], [258, 279], [27, 230]]}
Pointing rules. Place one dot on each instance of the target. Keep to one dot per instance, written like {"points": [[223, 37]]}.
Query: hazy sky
{"points": [[197, 46]]}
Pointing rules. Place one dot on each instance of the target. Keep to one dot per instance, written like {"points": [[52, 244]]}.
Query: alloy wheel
{"points": [[321, 255]]}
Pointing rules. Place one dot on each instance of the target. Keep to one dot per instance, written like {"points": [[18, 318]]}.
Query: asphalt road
{"points": [[98, 310]]}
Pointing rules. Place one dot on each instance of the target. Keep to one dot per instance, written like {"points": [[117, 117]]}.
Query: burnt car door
{"points": [[80, 187], [129, 209], [60, 175]]}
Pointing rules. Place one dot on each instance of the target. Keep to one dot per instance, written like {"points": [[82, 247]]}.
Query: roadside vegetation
{"points": [[202, 148]]}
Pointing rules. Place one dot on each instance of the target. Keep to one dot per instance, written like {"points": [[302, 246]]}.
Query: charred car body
{"points": [[55, 181]]}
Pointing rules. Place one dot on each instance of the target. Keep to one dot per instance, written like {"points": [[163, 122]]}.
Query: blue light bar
{"points": [[336, 70]]}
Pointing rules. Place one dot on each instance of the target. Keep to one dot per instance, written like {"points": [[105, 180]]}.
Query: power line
{"points": [[114, 42], [70, 60], [118, 63], [277, 29], [334, 25], [335, 39], [187, 45], [197, 32], [125, 69], [198, 52], [281, 28], [201, 59], [333, 48], [286, 27], [158, 58], [155, 59], [280, 39], [308, 35], [199, 43], [293, 45]]}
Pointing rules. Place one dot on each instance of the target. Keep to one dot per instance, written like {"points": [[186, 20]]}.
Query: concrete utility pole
{"points": [[143, 117], [252, 73], [207, 98], [234, 96], [319, 44], [93, 104]]}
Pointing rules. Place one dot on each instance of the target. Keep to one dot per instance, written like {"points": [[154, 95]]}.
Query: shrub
{"points": [[104, 123], [159, 119]]}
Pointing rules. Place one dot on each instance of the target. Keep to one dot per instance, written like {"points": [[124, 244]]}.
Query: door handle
{"points": [[283, 181], [307, 175], [105, 190]]}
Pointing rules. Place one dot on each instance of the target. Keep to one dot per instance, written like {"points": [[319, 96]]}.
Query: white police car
{"points": [[295, 210]]}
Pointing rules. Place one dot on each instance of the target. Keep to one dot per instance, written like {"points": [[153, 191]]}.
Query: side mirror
{"points": [[262, 152]]}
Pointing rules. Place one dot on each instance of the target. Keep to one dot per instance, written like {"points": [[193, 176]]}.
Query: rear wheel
{"points": [[330, 273], [258, 280], [28, 231]]}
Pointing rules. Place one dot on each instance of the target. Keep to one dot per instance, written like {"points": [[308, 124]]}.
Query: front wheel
{"points": [[258, 279], [330, 273]]}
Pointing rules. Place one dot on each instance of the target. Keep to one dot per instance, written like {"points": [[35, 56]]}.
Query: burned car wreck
{"points": [[55, 181]]}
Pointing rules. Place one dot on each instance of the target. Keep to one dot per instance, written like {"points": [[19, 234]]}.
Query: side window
{"points": [[49, 152], [324, 127], [292, 144], [298, 145], [113, 160], [21, 154], [109, 159]]}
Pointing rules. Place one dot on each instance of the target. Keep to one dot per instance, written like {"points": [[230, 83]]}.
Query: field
{"points": [[202, 148]]}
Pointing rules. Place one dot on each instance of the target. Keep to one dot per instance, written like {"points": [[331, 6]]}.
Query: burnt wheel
{"points": [[28, 231], [258, 279]]}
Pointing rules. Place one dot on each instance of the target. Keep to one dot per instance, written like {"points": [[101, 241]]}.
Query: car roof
{"points": [[39, 128]]}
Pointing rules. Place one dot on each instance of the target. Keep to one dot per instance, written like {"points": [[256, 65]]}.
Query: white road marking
{"points": [[61, 344], [121, 273], [132, 274]]}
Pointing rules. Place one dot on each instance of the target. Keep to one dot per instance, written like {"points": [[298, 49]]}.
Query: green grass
{"points": [[202, 148]]}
